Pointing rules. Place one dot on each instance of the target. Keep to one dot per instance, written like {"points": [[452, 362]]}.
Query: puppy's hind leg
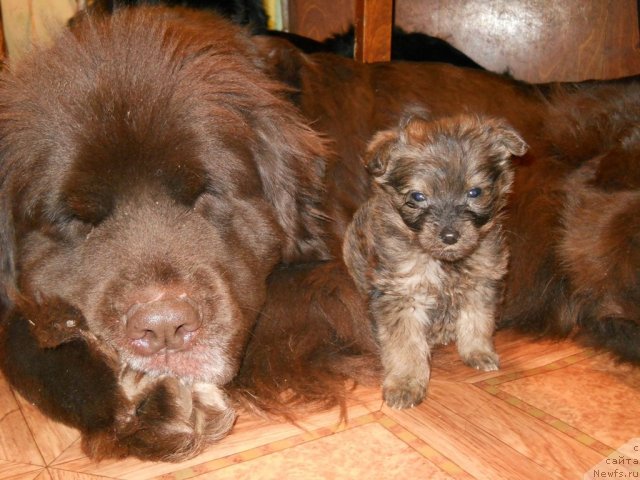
{"points": [[405, 354], [474, 331]]}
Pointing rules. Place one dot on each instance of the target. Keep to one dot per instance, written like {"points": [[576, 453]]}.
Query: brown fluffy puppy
{"points": [[427, 248]]}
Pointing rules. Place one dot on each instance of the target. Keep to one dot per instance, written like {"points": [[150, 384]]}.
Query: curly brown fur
{"points": [[600, 252], [427, 248]]}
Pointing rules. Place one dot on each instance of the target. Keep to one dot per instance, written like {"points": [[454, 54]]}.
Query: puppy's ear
{"points": [[378, 154], [506, 140], [414, 127]]}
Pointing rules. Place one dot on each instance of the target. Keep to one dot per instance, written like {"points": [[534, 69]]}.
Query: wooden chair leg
{"points": [[374, 22]]}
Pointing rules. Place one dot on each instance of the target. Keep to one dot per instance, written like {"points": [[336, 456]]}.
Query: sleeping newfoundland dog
{"points": [[170, 225], [152, 178]]}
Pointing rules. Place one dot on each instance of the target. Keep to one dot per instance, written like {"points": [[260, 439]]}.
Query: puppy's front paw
{"points": [[486, 361], [404, 393]]}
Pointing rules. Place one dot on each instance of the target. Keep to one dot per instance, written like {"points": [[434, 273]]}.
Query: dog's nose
{"points": [[449, 236], [170, 323]]}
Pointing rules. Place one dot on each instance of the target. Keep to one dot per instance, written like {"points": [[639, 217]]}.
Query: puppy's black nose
{"points": [[170, 323], [449, 236]]}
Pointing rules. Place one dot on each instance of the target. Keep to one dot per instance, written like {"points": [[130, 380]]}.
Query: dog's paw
{"points": [[486, 361], [165, 421], [52, 321], [406, 393]]}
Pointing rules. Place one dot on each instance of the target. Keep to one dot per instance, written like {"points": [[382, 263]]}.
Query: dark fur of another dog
{"points": [[575, 226], [412, 46], [409, 46], [242, 12], [427, 249]]}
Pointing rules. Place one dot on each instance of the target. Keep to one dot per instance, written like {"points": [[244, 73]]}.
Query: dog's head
{"points": [[152, 177], [448, 179]]}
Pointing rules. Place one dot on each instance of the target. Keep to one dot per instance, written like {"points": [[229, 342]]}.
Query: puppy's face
{"points": [[447, 179]]}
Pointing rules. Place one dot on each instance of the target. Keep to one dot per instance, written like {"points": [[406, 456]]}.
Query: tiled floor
{"points": [[554, 411]]}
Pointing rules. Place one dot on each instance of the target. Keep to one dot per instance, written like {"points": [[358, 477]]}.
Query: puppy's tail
{"points": [[312, 343]]}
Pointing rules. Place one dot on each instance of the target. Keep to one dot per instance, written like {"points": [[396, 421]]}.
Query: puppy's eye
{"points": [[474, 192], [418, 196]]}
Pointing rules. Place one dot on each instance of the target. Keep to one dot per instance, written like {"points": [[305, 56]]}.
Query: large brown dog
{"points": [[152, 178], [167, 220]]}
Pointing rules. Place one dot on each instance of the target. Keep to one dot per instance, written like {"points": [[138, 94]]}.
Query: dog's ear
{"points": [[506, 140], [414, 127], [292, 160], [281, 60], [378, 154]]}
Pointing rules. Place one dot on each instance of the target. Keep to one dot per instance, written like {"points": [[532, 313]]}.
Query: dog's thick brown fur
{"points": [[561, 281], [427, 248], [575, 229], [150, 163], [152, 178]]}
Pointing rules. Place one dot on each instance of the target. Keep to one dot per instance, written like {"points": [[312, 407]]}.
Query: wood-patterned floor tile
{"points": [[549, 413], [18, 471], [16, 441], [551, 449], [516, 353], [44, 475], [249, 432], [478, 452], [368, 451], [595, 396], [57, 474], [52, 438]]}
